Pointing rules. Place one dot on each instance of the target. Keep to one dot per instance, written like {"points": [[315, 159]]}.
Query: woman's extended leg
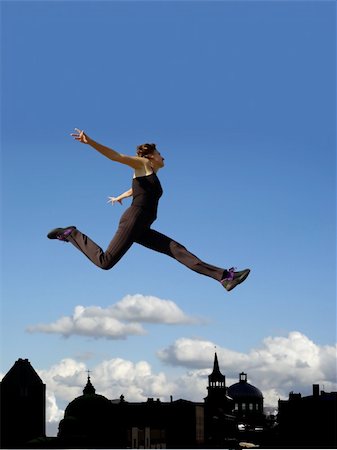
{"points": [[163, 244], [132, 224]]}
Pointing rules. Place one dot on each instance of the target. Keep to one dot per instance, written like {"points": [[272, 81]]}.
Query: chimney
{"points": [[315, 390]]}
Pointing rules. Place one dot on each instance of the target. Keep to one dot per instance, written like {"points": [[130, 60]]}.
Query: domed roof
{"points": [[93, 403], [88, 417], [88, 404], [244, 389]]}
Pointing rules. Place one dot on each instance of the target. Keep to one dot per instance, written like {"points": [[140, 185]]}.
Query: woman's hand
{"points": [[119, 199], [80, 136], [114, 200]]}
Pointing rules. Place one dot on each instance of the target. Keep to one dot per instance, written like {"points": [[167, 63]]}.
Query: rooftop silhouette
{"points": [[23, 405], [229, 417]]}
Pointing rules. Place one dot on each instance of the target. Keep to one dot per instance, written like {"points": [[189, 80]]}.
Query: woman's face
{"points": [[157, 160]]}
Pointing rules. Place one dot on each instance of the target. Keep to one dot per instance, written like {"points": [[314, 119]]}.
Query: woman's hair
{"points": [[146, 149]]}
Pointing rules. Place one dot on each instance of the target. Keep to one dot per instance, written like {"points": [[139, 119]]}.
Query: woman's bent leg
{"points": [[103, 259], [159, 242], [130, 226]]}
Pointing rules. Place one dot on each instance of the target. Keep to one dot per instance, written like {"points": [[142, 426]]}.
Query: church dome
{"points": [[88, 415], [243, 389], [87, 404]]}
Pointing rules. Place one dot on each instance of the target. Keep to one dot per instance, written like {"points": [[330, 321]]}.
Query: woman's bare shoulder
{"points": [[144, 170]]}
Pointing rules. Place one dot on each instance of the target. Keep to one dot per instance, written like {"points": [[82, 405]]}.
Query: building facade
{"points": [[248, 402], [22, 405], [308, 422], [92, 420]]}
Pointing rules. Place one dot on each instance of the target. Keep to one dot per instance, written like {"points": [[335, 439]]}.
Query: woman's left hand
{"points": [[80, 136], [114, 200]]}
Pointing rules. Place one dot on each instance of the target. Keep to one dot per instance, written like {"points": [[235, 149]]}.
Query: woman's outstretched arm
{"points": [[119, 199], [133, 161]]}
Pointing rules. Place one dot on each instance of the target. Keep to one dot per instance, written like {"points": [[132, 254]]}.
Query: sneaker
{"points": [[234, 278], [61, 233]]}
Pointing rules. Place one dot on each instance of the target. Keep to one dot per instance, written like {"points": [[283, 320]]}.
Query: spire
{"points": [[89, 388], [216, 375], [217, 391], [216, 364]]}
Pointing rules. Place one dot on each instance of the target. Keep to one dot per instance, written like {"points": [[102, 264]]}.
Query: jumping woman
{"points": [[135, 223]]}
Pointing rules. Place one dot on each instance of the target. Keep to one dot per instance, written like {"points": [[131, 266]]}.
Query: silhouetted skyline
{"points": [[228, 417]]}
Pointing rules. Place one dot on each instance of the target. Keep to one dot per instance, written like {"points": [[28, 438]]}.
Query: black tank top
{"points": [[147, 191]]}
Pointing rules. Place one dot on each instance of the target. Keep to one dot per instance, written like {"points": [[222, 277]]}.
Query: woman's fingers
{"points": [[114, 200], [79, 136]]}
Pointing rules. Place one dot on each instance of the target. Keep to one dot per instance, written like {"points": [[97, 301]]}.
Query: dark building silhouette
{"points": [[87, 420], [220, 425], [175, 424], [308, 422], [22, 405], [93, 421], [248, 410], [248, 402]]}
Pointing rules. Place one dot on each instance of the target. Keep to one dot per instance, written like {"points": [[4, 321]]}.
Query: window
{"points": [[236, 407], [243, 406], [251, 406]]}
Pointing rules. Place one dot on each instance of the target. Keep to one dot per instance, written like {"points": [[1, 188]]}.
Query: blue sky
{"points": [[240, 99]]}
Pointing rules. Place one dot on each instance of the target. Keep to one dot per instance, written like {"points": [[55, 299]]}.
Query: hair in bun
{"points": [[145, 150]]}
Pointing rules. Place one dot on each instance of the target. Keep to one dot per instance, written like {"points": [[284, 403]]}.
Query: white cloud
{"points": [[86, 322], [147, 308], [117, 321], [53, 413], [64, 378], [63, 383], [279, 365], [197, 353], [135, 381]]}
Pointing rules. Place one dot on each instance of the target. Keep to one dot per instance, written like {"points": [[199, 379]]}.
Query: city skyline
{"points": [[227, 416], [239, 98], [137, 381]]}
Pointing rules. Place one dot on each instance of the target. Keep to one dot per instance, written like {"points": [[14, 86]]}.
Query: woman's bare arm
{"points": [[119, 199], [135, 162]]}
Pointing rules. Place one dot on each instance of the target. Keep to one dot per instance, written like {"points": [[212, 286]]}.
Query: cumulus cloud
{"points": [[89, 321], [136, 381], [147, 308], [63, 383], [196, 353], [279, 365], [117, 321]]}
